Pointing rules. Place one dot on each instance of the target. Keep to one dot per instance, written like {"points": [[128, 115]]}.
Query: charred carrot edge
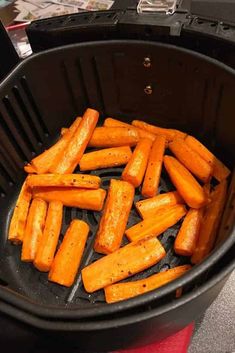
{"points": [[187, 186], [106, 158], [122, 291], [123, 263], [136, 167], [66, 162], [68, 258], [115, 216], [48, 243], [72, 197], [154, 167], [34, 229], [149, 207], [219, 170], [68, 180], [154, 226], [104, 137], [19, 217]]}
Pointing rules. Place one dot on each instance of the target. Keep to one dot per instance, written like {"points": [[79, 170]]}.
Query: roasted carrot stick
{"points": [[157, 224], [135, 168], [72, 197], [115, 216], [68, 258], [123, 263], [42, 163], [186, 240], [72, 128], [19, 218], [219, 170], [48, 243], [67, 161], [34, 229], [114, 137], [154, 167], [187, 186], [110, 122], [211, 220], [122, 291], [28, 168], [191, 159], [149, 207], [106, 158], [75, 180]]}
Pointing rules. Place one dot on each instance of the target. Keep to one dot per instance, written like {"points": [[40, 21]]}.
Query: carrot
{"points": [[47, 245], [191, 159], [72, 128], [19, 217], [114, 137], [187, 237], [123, 263], [115, 216], [107, 158], [34, 229], [157, 224], [187, 186], [154, 167], [169, 133], [122, 291], [67, 161], [148, 208], [42, 163], [135, 168], [75, 180], [211, 220], [110, 122], [68, 258], [219, 170], [72, 197], [28, 168]]}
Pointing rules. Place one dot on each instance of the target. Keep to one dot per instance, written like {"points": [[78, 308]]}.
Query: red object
{"points": [[18, 26], [177, 343]]}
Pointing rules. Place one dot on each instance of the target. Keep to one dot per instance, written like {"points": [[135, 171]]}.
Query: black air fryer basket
{"points": [[181, 89]]}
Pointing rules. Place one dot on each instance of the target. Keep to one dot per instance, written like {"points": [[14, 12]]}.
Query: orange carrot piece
{"points": [[19, 217], [106, 158], [74, 180], [149, 207], [34, 229], [71, 155], [48, 243], [113, 137], [28, 168], [122, 291], [42, 163], [186, 239], [68, 258], [135, 168], [154, 167], [191, 159], [72, 197], [157, 224], [115, 216], [219, 170], [187, 186], [211, 220], [123, 263]]}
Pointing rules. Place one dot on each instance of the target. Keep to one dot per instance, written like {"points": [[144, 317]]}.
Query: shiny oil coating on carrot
{"points": [[104, 137], [34, 229], [68, 258], [48, 243], [115, 216], [157, 224], [187, 186], [154, 167], [106, 158], [122, 291], [136, 167], [123, 263], [19, 217]]}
